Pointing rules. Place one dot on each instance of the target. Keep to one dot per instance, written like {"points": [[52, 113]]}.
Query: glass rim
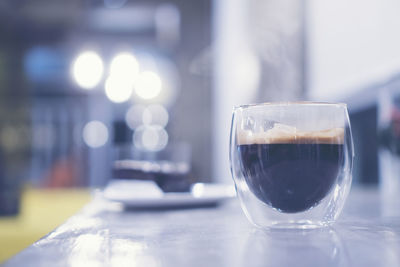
{"points": [[291, 103]]}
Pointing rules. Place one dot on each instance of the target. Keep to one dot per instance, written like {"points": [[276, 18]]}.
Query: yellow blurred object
{"points": [[42, 210]]}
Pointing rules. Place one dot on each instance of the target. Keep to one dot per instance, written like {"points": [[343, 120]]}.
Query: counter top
{"points": [[104, 234], [42, 210]]}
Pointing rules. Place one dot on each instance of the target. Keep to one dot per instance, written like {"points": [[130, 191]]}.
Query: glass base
{"points": [[302, 225]]}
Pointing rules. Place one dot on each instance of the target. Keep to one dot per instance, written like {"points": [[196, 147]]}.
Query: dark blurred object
{"points": [[169, 176], [374, 118], [10, 193], [389, 148], [9, 199], [389, 134], [169, 168], [122, 133], [363, 123], [15, 128]]}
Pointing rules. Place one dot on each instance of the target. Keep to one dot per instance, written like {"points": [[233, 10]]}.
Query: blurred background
{"points": [[87, 83]]}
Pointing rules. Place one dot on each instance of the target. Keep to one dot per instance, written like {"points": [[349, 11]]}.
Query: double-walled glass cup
{"points": [[291, 162]]}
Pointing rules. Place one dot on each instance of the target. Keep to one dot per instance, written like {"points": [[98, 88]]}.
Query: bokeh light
{"points": [[152, 138], [95, 134], [168, 80], [148, 85], [155, 115], [124, 65], [134, 116], [118, 89], [10, 138], [87, 69]]}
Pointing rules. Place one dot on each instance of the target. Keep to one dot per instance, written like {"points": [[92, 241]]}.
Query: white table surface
{"points": [[103, 234]]}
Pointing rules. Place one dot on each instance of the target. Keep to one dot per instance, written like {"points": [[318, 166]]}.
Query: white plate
{"points": [[145, 194]]}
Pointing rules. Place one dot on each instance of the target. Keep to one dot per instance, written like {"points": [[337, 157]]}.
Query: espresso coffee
{"points": [[292, 172]]}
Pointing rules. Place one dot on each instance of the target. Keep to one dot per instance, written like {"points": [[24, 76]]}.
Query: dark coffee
{"points": [[291, 177]]}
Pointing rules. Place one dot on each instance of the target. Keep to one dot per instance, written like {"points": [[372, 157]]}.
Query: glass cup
{"points": [[291, 162]]}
